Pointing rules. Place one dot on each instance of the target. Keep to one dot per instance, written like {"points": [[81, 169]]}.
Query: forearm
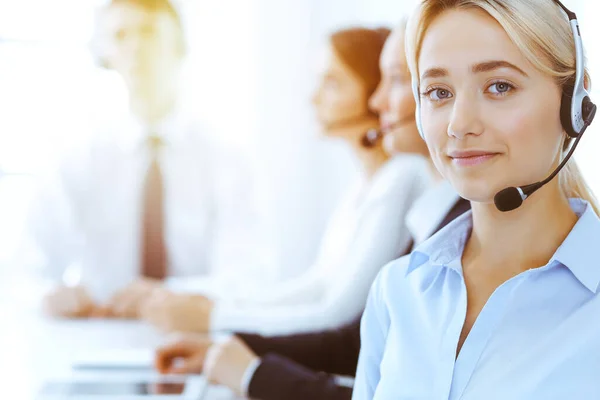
{"points": [[280, 320], [305, 289], [278, 378], [332, 351]]}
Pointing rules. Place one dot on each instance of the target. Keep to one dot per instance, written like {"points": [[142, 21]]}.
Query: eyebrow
{"points": [[477, 68], [495, 64]]}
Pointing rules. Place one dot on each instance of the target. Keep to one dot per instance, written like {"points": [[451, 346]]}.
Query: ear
{"points": [[587, 82]]}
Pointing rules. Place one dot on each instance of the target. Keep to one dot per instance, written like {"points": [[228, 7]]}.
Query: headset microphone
{"points": [[369, 139], [372, 137]]}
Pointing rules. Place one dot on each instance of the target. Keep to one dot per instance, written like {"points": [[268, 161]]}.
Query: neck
{"points": [[151, 103], [372, 160], [524, 238]]}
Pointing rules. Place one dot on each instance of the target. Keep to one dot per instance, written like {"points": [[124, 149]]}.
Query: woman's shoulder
{"points": [[393, 275], [405, 165], [407, 174]]}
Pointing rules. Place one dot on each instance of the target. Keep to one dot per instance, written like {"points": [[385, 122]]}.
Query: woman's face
{"points": [[490, 119], [394, 102], [340, 99]]}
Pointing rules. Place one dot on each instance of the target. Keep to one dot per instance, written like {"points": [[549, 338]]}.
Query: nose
{"points": [[465, 119], [378, 101]]}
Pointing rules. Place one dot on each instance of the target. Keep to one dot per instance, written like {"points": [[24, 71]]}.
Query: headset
{"points": [[369, 139], [374, 135], [576, 113]]}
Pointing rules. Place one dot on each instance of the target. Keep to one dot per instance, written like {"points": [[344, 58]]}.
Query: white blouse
{"points": [[367, 231]]}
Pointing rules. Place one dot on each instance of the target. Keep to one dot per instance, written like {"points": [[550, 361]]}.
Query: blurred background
{"points": [[250, 73]]}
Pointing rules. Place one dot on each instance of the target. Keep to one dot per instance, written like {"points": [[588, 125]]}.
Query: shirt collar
{"points": [[133, 133], [430, 209], [576, 252], [445, 246]]}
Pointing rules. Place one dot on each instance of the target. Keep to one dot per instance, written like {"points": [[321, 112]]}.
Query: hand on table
{"points": [[222, 363], [227, 362], [69, 302], [171, 312], [128, 302], [183, 354]]}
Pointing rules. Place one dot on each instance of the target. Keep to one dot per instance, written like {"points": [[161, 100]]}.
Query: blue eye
{"points": [[442, 94], [501, 88], [437, 94]]}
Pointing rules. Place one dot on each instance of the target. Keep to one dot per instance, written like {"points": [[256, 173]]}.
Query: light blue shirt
{"points": [[538, 336]]}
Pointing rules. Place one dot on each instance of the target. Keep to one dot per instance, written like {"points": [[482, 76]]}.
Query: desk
{"points": [[34, 349]]}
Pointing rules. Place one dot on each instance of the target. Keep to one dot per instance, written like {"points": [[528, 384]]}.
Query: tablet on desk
{"points": [[186, 388], [115, 363], [115, 359]]}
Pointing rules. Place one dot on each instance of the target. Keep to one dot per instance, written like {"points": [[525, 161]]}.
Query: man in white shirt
{"points": [[151, 196]]}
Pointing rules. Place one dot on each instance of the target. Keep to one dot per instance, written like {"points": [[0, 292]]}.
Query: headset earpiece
{"points": [[565, 108], [571, 113]]}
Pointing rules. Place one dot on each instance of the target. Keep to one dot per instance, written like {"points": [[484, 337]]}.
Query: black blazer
{"points": [[300, 367]]}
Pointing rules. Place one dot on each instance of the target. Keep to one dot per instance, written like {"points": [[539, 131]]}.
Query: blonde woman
{"points": [[498, 305]]}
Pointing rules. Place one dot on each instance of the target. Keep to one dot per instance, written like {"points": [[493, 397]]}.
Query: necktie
{"points": [[153, 249]]}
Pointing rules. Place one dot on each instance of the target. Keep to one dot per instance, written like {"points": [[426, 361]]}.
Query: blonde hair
{"points": [[540, 30]]}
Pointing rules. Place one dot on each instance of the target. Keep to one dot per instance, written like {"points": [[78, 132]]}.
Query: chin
{"points": [[390, 145], [476, 190]]}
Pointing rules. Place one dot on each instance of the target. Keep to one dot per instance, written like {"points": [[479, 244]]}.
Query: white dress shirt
{"points": [[367, 231], [86, 220]]}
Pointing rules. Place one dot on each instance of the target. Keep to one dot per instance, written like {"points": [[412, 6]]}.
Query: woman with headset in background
{"points": [[502, 303], [366, 231]]}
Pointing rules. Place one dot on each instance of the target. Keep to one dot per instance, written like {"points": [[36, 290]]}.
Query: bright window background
{"points": [[45, 74], [52, 93], [250, 72]]}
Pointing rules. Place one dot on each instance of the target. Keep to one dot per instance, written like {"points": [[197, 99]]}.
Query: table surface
{"points": [[35, 349]]}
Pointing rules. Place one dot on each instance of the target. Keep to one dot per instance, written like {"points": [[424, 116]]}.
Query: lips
{"points": [[467, 158]]}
